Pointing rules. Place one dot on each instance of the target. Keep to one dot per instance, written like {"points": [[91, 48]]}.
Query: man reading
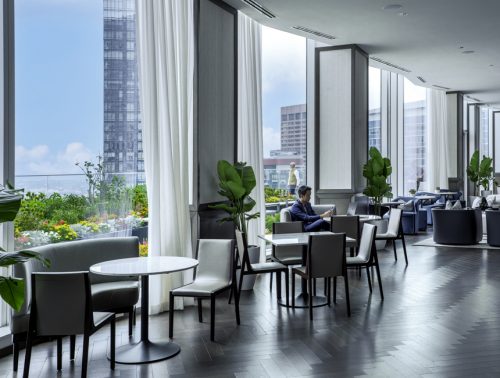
{"points": [[302, 211]]}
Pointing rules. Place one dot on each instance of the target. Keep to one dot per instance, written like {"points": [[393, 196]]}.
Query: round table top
{"points": [[144, 266]]}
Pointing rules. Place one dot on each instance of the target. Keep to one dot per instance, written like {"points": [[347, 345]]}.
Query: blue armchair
{"points": [[428, 205], [412, 220]]}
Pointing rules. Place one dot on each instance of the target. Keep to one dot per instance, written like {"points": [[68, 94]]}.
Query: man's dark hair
{"points": [[303, 190]]}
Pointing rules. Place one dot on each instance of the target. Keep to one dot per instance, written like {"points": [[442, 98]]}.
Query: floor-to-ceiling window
{"points": [[414, 135], [374, 108], [284, 113], [78, 135], [484, 131]]}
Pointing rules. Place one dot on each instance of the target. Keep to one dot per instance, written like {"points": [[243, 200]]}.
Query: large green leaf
{"points": [[12, 291], [247, 177], [227, 172], [11, 258], [10, 202], [225, 207]]}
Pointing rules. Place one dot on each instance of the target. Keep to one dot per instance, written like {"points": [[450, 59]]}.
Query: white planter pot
{"points": [[486, 193], [249, 281]]}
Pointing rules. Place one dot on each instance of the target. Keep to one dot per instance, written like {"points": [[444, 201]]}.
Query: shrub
{"points": [[65, 232], [270, 219], [140, 201], [143, 249], [31, 213]]}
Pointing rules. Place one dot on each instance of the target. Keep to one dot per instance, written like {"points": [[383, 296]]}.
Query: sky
{"points": [[59, 84]]}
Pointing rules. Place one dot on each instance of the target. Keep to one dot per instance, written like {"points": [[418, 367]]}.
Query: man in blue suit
{"points": [[302, 211]]}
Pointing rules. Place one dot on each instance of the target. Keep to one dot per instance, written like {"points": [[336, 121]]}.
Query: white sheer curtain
{"points": [[437, 141], [250, 145], [165, 43]]}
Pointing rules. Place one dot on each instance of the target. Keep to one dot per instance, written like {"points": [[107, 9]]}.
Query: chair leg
{"points": [[278, 284], [15, 352], [59, 353], [271, 282], [293, 289], [230, 295], [130, 322], [310, 284], [328, 287], [241, 282], [200, 312], [212, 317], [404, 248], [378, 277], [335, 289], [85, 354], [135, 316], [112, 347], [287, 288], [171, 316], [72, 343], [236, 302], [314, 288], [347, 295], [27, 355], [369, 279], [394, 247]]}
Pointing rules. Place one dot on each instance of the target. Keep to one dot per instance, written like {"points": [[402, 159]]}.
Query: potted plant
{"points": [[481, 174], [11, 288], [236, 182], [377, 170]]}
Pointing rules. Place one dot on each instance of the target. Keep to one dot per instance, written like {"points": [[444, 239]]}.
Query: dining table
{"points": [[145, 350], [302, 239]]}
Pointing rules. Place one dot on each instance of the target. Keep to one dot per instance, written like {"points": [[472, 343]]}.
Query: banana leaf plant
{"points": [[236, 182], [377, 170], [481, 172], [11, 288]]}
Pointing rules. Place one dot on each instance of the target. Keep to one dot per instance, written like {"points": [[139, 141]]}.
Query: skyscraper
{"points": [[293, 129], [123, 152]]}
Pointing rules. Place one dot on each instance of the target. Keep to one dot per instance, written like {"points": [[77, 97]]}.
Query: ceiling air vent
{"points": [[255, 5], [421, 79], [440, 87], [391, 65], [314, 32]]}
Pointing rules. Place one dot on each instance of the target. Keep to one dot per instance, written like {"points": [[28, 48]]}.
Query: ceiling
{"points": [[427, 37]]}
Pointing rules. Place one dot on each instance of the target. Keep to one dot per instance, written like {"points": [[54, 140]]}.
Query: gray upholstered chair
{"points": [[287, 255], [460, 227], [268, 267], [394, 232], [109, 294], [214, 274], [348, 224], [286, 215], [367, 255], [325, 259], [493, 227], [61, 305]]}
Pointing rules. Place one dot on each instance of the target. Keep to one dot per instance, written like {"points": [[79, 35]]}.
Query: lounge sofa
{"points": [[414, 218], [109, 294], [459, 227]]}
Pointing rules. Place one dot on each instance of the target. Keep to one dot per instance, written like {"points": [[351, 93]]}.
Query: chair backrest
{"points": [[394, 221], [367, 243], [216, 259], [285, 252], [241, 242], [61, 303], [349, 224], [326, 255]]}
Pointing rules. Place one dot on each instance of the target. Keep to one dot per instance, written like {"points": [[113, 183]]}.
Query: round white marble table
{"points": [[145, 350]]}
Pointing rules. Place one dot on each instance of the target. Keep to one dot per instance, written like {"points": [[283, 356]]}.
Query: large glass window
{"points": [[76, 87], [374, 109], [484, 131], [414, 134], [284, 113]]}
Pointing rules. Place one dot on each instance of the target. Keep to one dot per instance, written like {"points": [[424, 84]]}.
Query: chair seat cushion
{"points": [[289, 260], [201, 287], [110, 296], [355, 260], [268, 266], [386, 235], [101, 317]]}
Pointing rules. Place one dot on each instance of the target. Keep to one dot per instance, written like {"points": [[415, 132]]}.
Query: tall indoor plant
{"points": [[236, 182], [11, 288], [377, 170], [481, 172]]}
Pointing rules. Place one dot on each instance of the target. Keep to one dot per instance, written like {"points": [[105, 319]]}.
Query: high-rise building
{"points": [[293, 129], [123, 152]]}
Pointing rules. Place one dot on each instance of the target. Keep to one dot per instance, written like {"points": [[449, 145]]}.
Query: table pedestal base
{"points": [[302, 301], [146, 351]]}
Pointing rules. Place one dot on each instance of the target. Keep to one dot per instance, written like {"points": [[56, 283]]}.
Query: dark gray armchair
{"points": [[109, 294], [457, 226]]}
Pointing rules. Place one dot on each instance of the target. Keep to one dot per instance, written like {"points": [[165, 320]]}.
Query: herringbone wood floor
{"points": [[440, 318]]}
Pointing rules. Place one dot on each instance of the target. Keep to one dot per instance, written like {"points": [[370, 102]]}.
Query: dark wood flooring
{"points": [[440, 318]]}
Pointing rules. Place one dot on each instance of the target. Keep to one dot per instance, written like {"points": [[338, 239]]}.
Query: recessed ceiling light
{"points": [[468, 52], [403, 14], [392, 7]]}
